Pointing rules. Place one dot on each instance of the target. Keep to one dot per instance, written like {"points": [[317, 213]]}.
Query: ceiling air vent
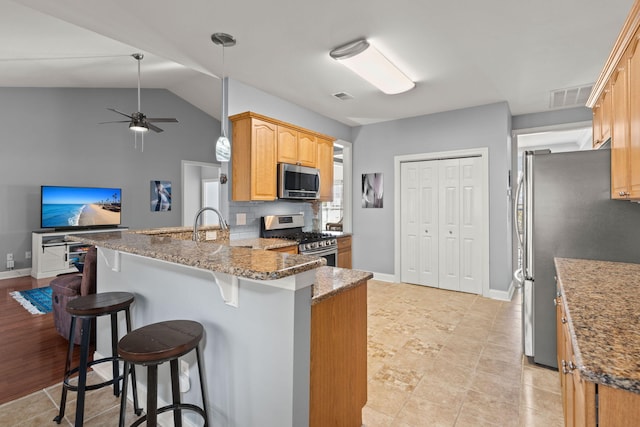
{"points": [[570, 97], [343, 96]]}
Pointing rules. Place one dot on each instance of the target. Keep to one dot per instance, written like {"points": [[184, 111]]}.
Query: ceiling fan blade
{"points": [[119, 112], [161, 120], [116, 121], [154, 128]]}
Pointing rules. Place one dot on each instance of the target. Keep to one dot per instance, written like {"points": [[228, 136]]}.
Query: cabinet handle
{"points": [[568, 368], [563, 320], [555, 302]]}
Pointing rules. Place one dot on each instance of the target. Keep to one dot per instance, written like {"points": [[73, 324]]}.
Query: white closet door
{"points": [[410, 223], [471, 225], [419, 223], [449, 210]]}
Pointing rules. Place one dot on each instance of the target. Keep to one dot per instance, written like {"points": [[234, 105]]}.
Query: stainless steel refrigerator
{"points": [[567, 212]]}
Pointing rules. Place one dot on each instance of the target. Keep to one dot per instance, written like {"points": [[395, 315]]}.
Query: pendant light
{"points": [[223, 148]]}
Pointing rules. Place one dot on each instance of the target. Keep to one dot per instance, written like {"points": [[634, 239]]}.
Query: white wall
{"points": [[374, 149]]}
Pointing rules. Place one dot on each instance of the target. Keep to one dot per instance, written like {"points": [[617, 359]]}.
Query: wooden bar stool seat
{"points": [[153, 345], [87, 308]]}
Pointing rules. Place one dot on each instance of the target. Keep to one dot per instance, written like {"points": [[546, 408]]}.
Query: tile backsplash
{"points": [[256, 210]]}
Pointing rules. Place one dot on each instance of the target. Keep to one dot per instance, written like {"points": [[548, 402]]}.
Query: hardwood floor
{"points": [[32, 354]]}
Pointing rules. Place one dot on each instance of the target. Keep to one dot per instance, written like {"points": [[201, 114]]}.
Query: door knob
{"points": [[450, 232]]}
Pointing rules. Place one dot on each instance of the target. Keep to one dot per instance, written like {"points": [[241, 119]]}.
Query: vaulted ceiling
{"points": [[460, 54]]}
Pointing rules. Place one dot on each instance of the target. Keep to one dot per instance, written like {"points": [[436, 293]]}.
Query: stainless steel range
{"points": [[309, 243]]}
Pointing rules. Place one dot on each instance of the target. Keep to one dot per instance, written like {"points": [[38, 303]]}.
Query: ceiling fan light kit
{"points": [[223, 147], [365, 60], [139, 123]]}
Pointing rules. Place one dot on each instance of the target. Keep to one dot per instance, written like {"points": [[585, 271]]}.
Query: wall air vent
{"points": [[343, 96], [570, 97]]}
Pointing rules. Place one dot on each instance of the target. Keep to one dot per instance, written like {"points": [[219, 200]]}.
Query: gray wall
{"points": [[374, 149], [52, 136]]}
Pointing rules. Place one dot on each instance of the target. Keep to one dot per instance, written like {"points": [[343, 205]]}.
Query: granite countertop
{"points": [[331, 281], [602, 303], [237, 261]]}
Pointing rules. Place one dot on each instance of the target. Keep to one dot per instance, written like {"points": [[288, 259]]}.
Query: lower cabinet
{"points": [[293, 249], [344, 252], [580, 397], [338, 382]]}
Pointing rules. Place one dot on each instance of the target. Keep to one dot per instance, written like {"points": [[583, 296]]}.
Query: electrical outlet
{"points": [[241, 219], [9, 264], [27, 255], [9, 257]]}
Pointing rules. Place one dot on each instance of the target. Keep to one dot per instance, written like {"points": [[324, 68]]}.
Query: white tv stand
{"points": [[52, 255]]}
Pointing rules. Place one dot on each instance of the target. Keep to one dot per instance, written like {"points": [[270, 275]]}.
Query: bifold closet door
{"points": [[419, 223], [460, 207], [441, 223]]}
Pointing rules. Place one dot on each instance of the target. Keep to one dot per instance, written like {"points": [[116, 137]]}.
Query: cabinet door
{"points": [[263, 160], [605, 116], [307, 150], [584, 401], [53, 258], [620, 133], [325, 164], [597, 125], [344, 252], [287, 145], [634, 122]]}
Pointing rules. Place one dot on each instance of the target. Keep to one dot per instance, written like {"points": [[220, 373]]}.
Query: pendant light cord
{"points": [[224, 103]]}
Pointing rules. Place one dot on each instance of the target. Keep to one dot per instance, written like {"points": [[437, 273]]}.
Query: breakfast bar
{"points": [[259, 309]]}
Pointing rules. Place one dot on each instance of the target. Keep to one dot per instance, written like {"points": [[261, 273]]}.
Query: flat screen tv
{"points": [[80, 207]]}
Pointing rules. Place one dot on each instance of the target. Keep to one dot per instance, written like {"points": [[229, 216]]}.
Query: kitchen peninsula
{"points": [[282, 332]]}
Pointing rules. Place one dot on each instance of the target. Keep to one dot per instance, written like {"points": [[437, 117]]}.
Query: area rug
{"points": [[35, 301]]}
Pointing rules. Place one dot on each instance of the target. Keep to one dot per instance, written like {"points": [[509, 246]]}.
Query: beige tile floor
{"points": [[436, 358], [441, 358]]}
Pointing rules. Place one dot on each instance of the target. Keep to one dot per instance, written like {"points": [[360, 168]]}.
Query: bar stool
{"points": [[153, 345], [87, 309]]}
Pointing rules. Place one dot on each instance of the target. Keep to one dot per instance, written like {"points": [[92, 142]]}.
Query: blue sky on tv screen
{"points": [[79, 195]]}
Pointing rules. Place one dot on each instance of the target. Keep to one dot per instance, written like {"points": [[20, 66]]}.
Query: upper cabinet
{"points": [[253, 153], [615, 101], [259, 143], [602, 118], [296, 147], [325, 164]]}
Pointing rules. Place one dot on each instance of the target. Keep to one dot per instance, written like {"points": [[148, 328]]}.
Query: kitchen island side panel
{"points": [[256, 356]]}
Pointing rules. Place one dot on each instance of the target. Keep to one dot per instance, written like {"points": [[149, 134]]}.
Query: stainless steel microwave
{"points": [[298, 182]]}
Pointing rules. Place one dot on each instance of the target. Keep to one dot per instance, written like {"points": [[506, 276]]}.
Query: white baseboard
{"points": [[164, 419], [503, 295], [384, 277], [9, 274]]}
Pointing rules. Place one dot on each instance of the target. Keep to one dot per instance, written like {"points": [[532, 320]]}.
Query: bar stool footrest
{"points": [[175, 407], [67, 376]]}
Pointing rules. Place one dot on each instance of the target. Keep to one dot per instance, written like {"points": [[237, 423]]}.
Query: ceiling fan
{"points": [[138, 121]]}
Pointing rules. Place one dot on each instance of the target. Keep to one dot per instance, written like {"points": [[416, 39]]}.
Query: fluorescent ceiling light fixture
{"points": [[366, 61]]}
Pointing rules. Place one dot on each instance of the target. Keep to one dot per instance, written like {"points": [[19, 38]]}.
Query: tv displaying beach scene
{"points": [[80, 207]]}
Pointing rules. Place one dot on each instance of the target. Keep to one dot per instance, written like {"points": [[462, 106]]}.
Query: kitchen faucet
{"points": [[223, 223]]}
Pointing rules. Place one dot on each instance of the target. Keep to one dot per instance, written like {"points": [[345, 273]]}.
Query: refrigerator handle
{"points": [[519, 230]]}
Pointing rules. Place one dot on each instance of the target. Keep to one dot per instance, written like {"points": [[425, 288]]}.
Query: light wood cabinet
{"points": [[338, 381], [633, 146], [325, 164], [293, 249], [296, 147], [602, 118], [620, 132], [578, 395], [616, 106], [344, 252], [259, 143], [253, 155]]}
